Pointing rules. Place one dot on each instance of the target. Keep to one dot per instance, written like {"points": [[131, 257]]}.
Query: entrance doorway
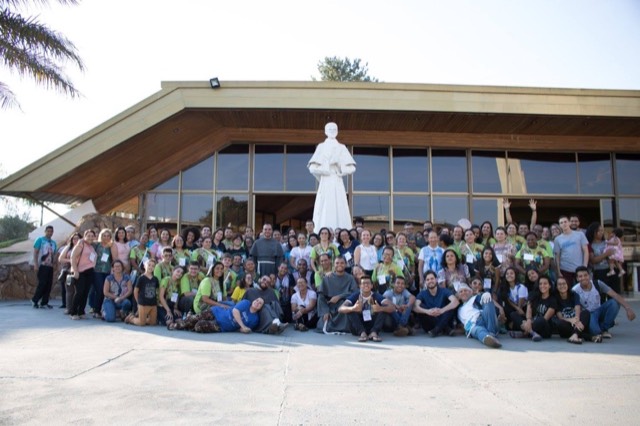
{"points": [[283, 210]]}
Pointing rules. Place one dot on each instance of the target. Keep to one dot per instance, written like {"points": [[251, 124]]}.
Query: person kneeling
{"points": [[145, 295], [478, 314], [366, 311]]}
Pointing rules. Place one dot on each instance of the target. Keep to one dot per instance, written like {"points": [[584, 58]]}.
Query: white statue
{"points": [[330, 162]]}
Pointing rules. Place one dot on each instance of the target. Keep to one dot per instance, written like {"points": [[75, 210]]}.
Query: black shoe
{"points": [[35, 305], [435, 332], [47, 306]]}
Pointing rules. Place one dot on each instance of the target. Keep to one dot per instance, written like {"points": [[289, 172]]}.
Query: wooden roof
{"points": [[186, 122]]}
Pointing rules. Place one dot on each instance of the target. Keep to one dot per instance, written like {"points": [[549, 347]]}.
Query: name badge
{"points": [[470, 258], [174, 297], [500, 258], [395, 300], [347, 256], [210, 260], [183, 261], [219, 296], [92, 257], [400, 263], [382, 279], [528, 256], [487, 284], [366, 315], [105, 257]]}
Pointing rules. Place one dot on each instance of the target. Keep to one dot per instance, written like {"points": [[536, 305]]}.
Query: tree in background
{"points": [[15, 227], [339, 69], [28, 47]]}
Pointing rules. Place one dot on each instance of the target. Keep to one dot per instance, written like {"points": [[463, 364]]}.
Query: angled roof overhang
{"points": [[186, 122]]}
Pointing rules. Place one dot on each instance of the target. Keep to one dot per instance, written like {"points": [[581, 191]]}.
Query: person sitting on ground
{"points": [[243, 317], [512, 296], [366, 311], [435, 307], [165, 266], [303, 306], [478, 316], [541, 308], [146, 295], [271, 315], [204, 256], [332, 292], [168, 301], [571, 321], [189, 287], [211, 291], [603, 314], [302, 271], [402, 301], [117, 289]]}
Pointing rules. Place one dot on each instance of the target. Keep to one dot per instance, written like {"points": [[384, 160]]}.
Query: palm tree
{"points": [[28, 47]]}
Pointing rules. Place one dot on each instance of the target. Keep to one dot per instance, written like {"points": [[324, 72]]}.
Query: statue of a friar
{"points": [[330, 162]]}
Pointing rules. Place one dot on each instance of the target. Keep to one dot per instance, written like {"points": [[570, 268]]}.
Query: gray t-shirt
{"points": [[569, 246], [590, 299], [397, 299]]}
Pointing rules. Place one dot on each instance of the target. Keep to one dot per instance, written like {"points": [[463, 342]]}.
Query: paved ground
{"points": [[57, 371]]}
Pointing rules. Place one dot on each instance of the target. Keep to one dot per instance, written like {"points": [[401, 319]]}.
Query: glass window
{"points": [[487, 167], [268, 171], [232, 209], [628, 174], [162, 207], [196, 209], [595, 173], [170, 185], [298, 177], [449, 210], [233, 168], [372, 169], [606, 209], [373, 208], [630, 217], [449, 171], [542, 173], [484, 209], [410, 208], [410, 170], [199, 177]]}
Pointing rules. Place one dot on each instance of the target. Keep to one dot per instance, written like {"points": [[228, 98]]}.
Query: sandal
{"points": [[597, 338], [374, 337], [575, 340], [362, 338]]}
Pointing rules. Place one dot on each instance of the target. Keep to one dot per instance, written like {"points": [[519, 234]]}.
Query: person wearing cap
{"points": [[478, 315]]}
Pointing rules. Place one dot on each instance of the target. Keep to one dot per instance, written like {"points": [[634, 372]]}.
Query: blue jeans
{"points": [[487, 323], [401, 318], [109, 307], [603, 318]]}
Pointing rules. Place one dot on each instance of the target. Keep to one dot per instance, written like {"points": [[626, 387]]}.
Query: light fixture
{"points": [[215, 83]]}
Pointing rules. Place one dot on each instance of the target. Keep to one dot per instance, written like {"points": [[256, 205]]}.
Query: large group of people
{"points": [[521, 280]]}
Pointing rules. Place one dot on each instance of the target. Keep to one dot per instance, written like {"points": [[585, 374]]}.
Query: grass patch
{"points": [[9, 254], [9, 243]]}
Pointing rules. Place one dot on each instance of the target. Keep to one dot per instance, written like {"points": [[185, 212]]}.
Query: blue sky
{"points": [[129, 47]]}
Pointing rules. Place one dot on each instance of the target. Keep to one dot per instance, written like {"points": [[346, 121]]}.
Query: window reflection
{"points": [[199, 177], [162, 207], [484, 209], [372, 169], [538, 173], [232, 209], [487, 167], [449, 171], [170, 185], [410, 208], [630, 217], [449, 210], [233, 168], [595, 173], [373, 208], [410, 170], [298, 177], [196, 209], [268, 172], [628, 174]]}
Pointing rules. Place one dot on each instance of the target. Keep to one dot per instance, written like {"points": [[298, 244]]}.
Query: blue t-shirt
{"points": [[440, 300], [47, 250], [225, 319]]}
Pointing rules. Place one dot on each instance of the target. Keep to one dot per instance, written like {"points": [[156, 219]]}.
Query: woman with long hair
{"points": [[211, 291], [105, 254], [325, 246], [83, 260], [541, 308], [65, 268], [347, 247], [512, 296], [365, 255], [571, 321], [123, 250], [489, 270], [453, 271]]}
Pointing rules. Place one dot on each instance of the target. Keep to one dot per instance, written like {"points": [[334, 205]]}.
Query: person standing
{"points": [[267, 252], [571, 250], [44, 261]]}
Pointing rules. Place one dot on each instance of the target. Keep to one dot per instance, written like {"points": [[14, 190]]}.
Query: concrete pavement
{"points": [[57, 371]]}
